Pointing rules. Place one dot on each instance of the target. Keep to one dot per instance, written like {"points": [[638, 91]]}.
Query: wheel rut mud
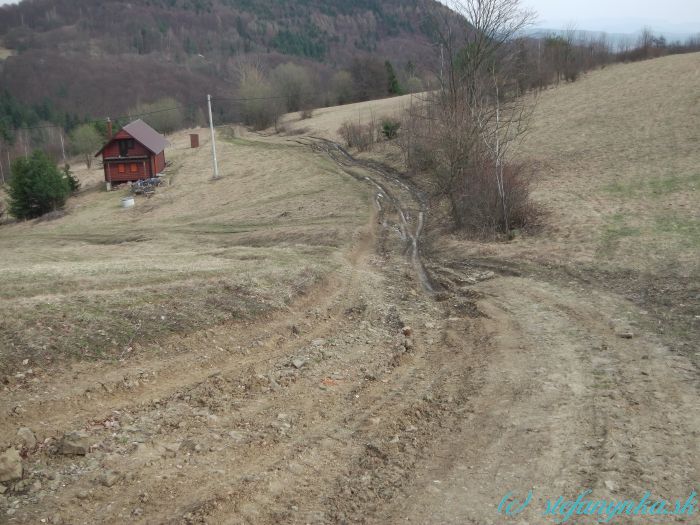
{"points": [[371, 400]]}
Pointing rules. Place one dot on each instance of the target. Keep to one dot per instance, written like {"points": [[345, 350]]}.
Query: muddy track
{"points": [[408, 202]]}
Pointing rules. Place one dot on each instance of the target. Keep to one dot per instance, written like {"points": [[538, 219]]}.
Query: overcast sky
{"points": [[610, 15], [619, 15]]}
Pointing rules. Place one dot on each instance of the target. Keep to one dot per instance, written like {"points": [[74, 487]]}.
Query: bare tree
{"points": [[471, 123]]}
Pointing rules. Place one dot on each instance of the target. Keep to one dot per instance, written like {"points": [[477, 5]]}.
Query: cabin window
{"points": [[125, 146], [122, 168], [134, 168]]}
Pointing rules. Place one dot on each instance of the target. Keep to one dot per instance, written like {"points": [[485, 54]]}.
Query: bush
{"points": [[294, 86], [37, 187], [342, 88], [390, 128], [260, 109], [86, 140], [73, 182], [414, 85], [164, 115], [358, 135]]}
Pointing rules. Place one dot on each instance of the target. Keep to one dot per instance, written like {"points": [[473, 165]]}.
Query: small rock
{"points": [[625, 334], [27, 436], [407, 331], [430, 326], [298, 362], [35, 487], [110, 478], [75, 444], [318, 342], [25, 362], [10, 465], [611, 485], [408, 344], [3, 488]]}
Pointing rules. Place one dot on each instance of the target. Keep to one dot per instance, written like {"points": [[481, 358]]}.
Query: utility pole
{"points": [[63, 148], [213, 139]]}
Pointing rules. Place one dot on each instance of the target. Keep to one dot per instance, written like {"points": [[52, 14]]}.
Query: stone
{"points": [[172, 447], [407, 331], [110, 478], [610, 485], [298, 362], [27, 436], [625, 334], [3, 489], [10, 465], [318, 342], [74, 444]]}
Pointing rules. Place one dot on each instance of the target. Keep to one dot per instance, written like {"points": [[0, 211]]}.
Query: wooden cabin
{"points": [[136, 152]]}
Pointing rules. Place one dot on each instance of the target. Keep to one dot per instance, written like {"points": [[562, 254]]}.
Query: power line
{"points": [[96, 121], [138, 115]]}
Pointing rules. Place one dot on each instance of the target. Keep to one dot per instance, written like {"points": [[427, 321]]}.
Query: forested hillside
{"points": [[104, 56]]}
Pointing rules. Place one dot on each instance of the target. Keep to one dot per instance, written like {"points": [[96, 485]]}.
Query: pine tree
{"points": [[37, 187], [393, 83]]}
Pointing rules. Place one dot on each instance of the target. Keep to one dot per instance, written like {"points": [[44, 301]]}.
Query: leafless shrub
{"points": [[359, 136]]}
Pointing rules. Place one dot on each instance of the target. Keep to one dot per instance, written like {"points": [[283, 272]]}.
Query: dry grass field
{"points": [[621, 166], [327, 121], [199, 252], [619, 181]]}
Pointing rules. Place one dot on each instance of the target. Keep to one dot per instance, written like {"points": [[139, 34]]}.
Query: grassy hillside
{"points": [[198, 253], [619, 179], [621, 166]]}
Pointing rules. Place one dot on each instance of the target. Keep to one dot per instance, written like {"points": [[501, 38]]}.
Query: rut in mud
{"points": [[371, 400], [411, 208]]}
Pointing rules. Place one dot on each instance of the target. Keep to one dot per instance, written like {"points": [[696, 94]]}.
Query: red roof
{"points": [[145, 134]]}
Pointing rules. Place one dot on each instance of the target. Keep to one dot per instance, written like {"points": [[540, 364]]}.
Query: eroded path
{"points": [[331, 412]]}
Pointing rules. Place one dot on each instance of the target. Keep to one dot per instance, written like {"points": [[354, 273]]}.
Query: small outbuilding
{"points": [[135, 153]]}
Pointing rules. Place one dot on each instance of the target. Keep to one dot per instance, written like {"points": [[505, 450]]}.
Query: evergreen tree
{"points": [[393, 83], [73, 182], [37, 187]]}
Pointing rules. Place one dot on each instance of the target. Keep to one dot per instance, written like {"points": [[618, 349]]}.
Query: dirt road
{"points": [[390, 394]]}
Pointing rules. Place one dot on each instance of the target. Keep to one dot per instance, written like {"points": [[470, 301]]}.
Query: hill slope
{"points": [[361, 398]]}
